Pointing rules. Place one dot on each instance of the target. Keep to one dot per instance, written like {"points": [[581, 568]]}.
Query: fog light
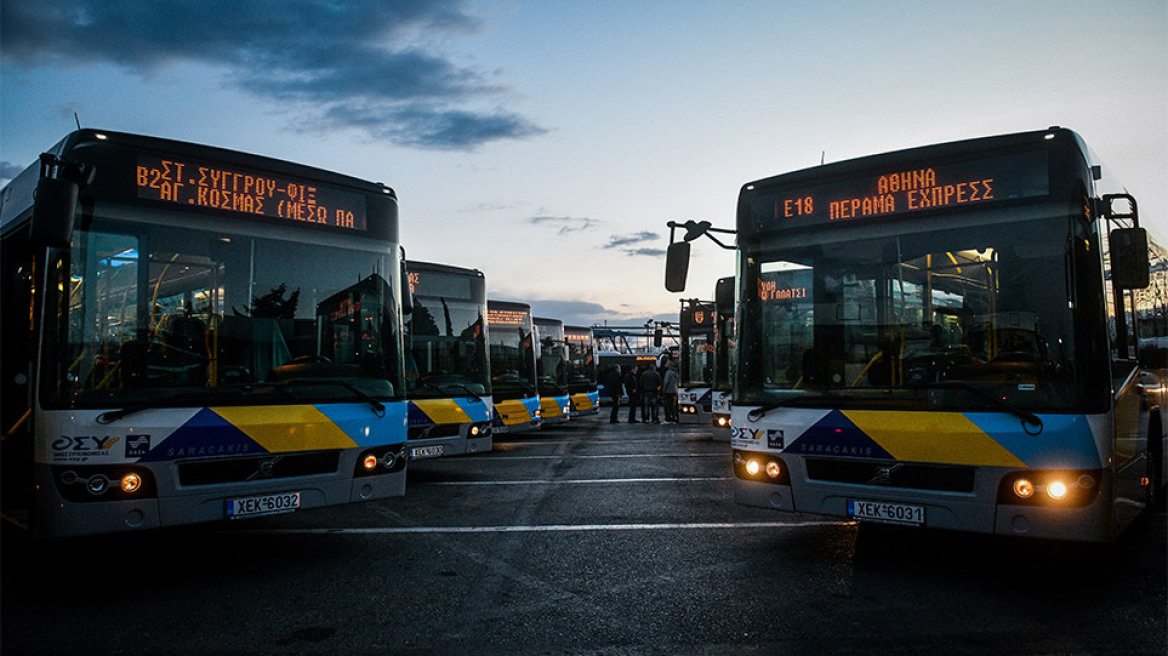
{"points": [[97, 484], [131, 483], [370, 462], [773, 470], [1023, 488], [1056, 490], [752, 467]]}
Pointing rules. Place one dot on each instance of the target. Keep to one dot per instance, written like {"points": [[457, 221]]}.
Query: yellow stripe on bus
{"points": [[947, 437], [442, 411], [287, 428]]}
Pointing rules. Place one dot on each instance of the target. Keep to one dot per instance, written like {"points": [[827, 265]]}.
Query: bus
{"points": [[448, 368], [696, 373], [966, 336], [552, 371], [720, 395], [582, 371], [183, 339], [633, 348], [514, 387]]}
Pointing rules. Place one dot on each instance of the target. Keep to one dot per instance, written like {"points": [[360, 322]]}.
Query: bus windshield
{"points": [[448, 354], [936, 319], [152, 312]]}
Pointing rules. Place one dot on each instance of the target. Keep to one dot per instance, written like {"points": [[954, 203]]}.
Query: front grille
{"points": [[906, 475], [269, 466]]}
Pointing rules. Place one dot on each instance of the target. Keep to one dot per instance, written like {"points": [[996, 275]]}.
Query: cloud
{"points": [[628, 244], [349, 64], [8, 170], [566, 224]]}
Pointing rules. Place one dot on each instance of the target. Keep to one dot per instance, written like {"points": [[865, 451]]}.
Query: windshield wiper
{"points": [[441, 388], [378, 406], [111, 416], [1026, 416]]}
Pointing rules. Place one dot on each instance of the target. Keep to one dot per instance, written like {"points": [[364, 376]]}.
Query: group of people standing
{"points": [[648, 387]]}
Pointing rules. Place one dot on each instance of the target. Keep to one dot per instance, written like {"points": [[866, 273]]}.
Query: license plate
{"points": [[891, 513], [426, 452], [267, 504]]}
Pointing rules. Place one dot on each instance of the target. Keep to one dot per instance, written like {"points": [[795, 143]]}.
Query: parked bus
{"points": [[552, 371], [183, 340], [582, 373], [694, 392], [448, 369], [966, 336], [720, 395], [633, 347], [514, 387]]}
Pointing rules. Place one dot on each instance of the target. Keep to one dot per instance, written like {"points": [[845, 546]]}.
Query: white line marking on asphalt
{"points": [[584, 481], [550, 528]]}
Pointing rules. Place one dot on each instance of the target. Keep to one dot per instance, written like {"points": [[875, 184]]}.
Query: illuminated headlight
{"points": [[474, 431], [1056, 489], [1024, 488], [773, 469], [370, 462], [752, 467], [131, 483], [723, 422]]}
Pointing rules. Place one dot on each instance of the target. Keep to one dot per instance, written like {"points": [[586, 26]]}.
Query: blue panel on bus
{"points": [[1065, 441], [836, 435], [363, 426], [204, 435]]}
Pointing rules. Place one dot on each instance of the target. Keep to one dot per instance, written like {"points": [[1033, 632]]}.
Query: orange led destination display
{"points": [[497, 317], [205, 185], [903, 189]]}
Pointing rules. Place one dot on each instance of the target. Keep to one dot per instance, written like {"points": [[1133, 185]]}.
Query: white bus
{"points": [[183, 339], [964, 336]]}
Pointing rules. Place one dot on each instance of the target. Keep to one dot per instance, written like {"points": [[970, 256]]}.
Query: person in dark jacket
{"points": [[631, 389], [614, 384], [650, 395]]}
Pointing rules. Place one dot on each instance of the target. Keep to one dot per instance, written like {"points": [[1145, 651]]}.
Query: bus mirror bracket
{"points": [[57, 191], [677, 257]]}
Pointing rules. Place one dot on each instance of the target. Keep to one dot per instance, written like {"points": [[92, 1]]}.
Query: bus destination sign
{"points": [[205, 185], [906, 189]]}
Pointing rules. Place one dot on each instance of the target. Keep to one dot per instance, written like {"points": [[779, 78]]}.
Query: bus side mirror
{"points": [[676, 266], [724, 297], [658, 337], [1129, 258], [54, 211]]}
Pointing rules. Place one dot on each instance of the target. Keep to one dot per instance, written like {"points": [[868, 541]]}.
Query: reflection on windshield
{"points": [[448, 351], [159, 311], [887, 318]]}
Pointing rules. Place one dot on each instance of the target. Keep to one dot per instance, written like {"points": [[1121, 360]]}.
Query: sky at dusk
{"points": [[547, 143]]}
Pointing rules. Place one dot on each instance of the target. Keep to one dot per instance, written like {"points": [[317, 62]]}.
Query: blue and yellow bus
{"points": [[582, 373], [183, 339], [514, 387], [967, 336], [448, 368], [552, 371]]}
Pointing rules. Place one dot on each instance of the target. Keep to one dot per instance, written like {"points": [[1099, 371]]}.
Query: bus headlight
{"points": [[1066, 488], [1024, 488], [131, 483], [474, 430], [773, 469], [370, 462], [97, 484], [752, 467]]}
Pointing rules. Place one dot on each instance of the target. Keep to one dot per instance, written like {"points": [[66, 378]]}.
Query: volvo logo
{"points": [[265, 469], [884, 474]]}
